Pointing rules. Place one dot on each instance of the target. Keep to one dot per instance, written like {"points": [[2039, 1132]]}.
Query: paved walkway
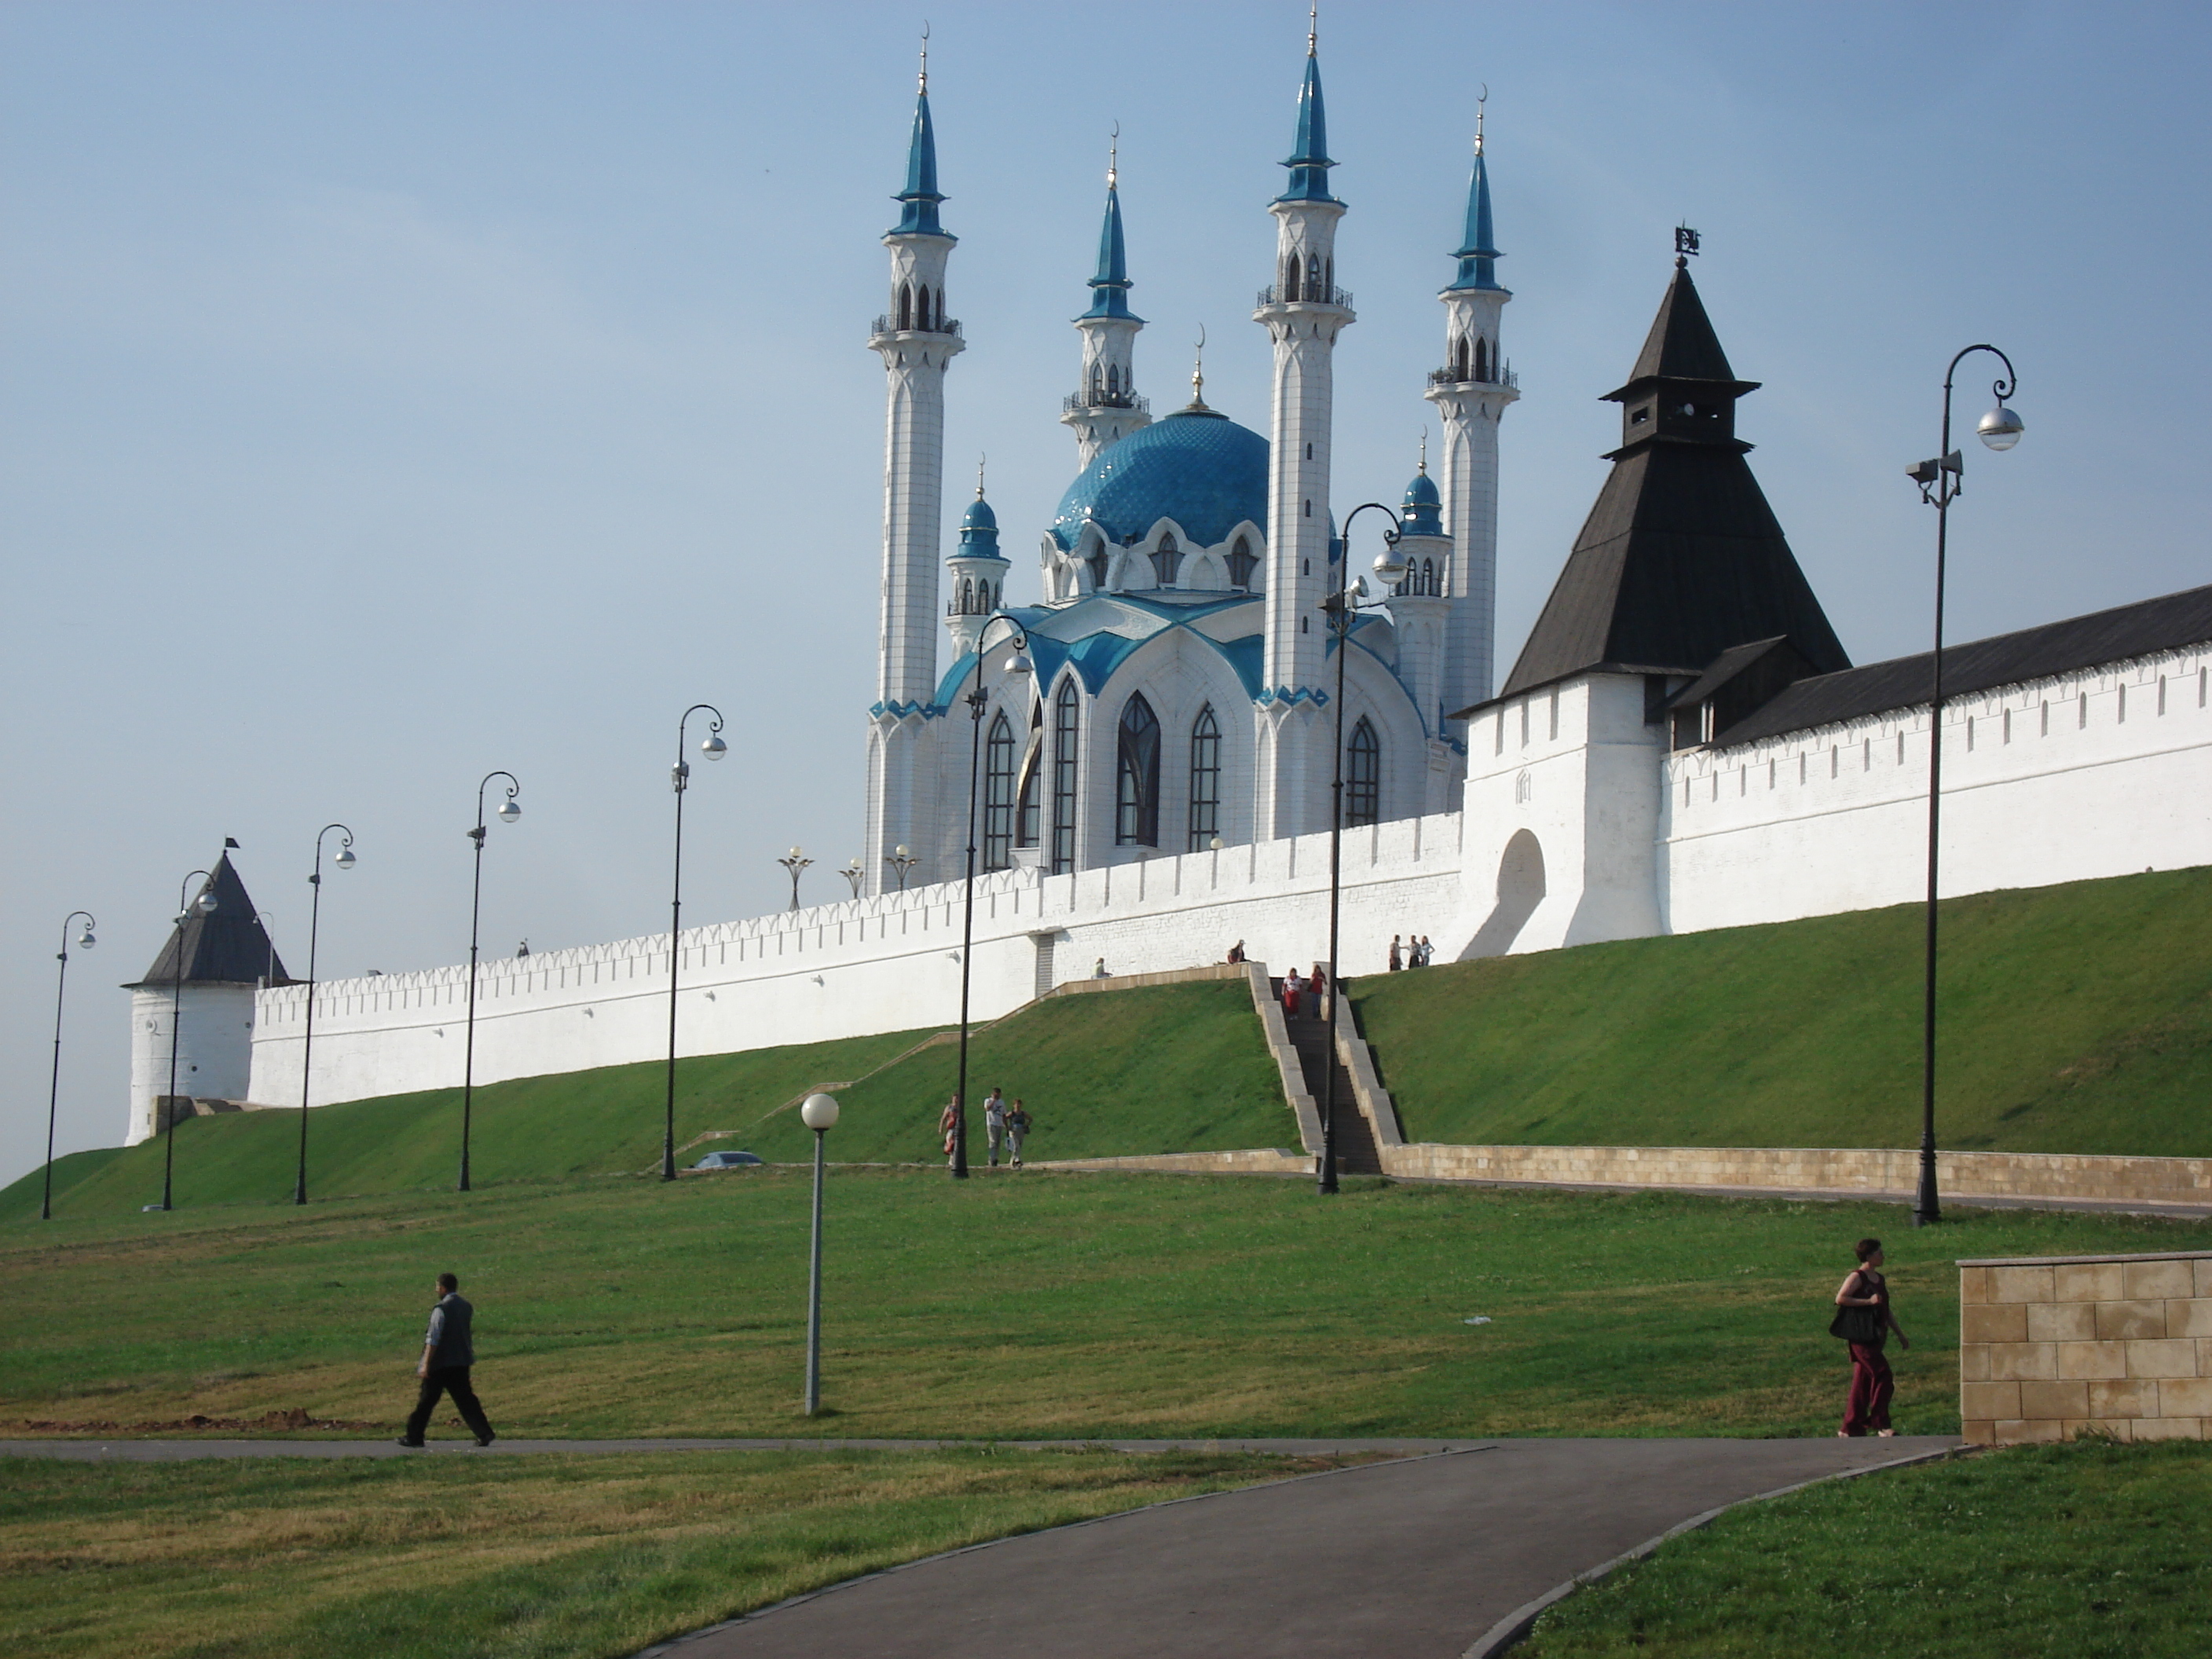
{"points": [[1416, 1559], [171, 1451]]}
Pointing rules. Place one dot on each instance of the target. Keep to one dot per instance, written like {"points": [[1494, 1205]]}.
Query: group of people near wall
{"points": [[1005, 1127], [1414, 951]]}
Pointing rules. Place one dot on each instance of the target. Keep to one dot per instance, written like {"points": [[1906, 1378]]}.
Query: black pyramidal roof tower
{"points": [[230, 947], [1681, 558]]}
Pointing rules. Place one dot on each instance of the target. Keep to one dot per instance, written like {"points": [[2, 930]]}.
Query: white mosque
{"points": [[1177, 681], [1681, 742]]}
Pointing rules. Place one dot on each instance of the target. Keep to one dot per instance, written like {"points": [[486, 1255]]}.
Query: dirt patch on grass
{"points": [[268, 1422]]}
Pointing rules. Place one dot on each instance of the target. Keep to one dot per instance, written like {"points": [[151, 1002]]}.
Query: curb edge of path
{"points": [[1517, 1624], [674, 1644]]}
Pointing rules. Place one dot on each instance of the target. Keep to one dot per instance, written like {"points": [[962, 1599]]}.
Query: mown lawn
{"points": [[499, 1558], [2087, 1551], [2075, 1018], [1030, 1304]]}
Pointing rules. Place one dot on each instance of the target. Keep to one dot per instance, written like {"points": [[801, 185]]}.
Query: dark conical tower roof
{"points": [[1681, 557], [228, 947]]}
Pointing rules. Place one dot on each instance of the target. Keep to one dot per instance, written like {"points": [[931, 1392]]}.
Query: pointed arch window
{"points": [[1137, 770], [1429, 582], [1025, 793], [1313, 289], [1363, 777], [906, 308], [1291, 279], [1461, 363], [1113, 381], [1167, 559], [1241, 564], [999, 794], [1096, 560], [1205, 779], [1066, 719], [1482, 360]]}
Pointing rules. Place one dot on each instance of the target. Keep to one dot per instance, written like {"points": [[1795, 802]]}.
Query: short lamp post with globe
{"points": [[204, 905], [1938, 480], [54, 1092], [819, 1113]]}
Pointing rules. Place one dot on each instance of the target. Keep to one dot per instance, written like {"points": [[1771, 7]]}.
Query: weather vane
{"points": [[1685, 243]]}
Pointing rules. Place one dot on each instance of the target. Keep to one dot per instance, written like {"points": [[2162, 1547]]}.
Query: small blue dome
{"points": [[1423, 507], [979, 516], [1198, 468], [979, 532]]}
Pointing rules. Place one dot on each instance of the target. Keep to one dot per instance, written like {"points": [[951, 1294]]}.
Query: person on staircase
{"points": [[1292, 987]]}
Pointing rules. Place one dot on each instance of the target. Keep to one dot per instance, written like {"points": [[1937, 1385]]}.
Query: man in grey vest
{"points": [[446, 1357]]}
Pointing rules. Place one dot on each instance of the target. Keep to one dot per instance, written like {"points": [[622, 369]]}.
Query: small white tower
{"points": [[1471, 392], [1420, 610], [976, 574], [1304, 313], [917, 340], [1105, 407]]}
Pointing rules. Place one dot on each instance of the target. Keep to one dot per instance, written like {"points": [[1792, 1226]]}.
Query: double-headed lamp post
{"points": [[1940, 480], [508, 813], [819, 1113], [54, 1093], [1343, 607], [679, 778], [204, 905], [1018, 667], [344, 861]]}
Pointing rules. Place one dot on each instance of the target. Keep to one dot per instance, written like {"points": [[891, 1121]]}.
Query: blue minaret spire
{"points": [[1308, 162], [1110, 288], [1478, 250], [920, 195]]}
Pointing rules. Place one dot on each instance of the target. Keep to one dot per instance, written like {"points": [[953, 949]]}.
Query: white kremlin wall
{"points": [[1579, 826]]}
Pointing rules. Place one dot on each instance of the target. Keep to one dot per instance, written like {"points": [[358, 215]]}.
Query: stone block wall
{"points": [[2053, 1347]]}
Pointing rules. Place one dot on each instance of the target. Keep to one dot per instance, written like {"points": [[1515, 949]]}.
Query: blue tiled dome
{"points": [[1422, 492], [979, 516], [1198, 468]]}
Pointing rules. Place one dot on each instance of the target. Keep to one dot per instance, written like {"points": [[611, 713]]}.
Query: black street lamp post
{"points": [[54, 1093], [679, 777], [819, 1114], [1940, 481], [795, 863], [344, 861], [1343, 608], [508, 813], [854, 874], [1018, 667], [205, 905], [901, 863]]}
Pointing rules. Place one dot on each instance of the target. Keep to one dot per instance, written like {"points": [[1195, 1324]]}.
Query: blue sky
{"points": [[393, 391]]}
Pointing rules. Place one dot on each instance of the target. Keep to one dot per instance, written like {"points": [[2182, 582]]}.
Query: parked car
{"points": [[726, 1161]]}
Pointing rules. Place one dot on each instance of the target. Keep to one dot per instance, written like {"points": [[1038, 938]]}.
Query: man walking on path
{"points": [[447, 1356], [1018, 1128], [994, 1123]]}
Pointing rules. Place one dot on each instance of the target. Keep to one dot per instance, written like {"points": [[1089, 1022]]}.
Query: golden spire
{"points": [[1313, 25], [923, 79], [1113, 156], [1198, 371], [1481, 99], [1425, 452], [981, 459]]}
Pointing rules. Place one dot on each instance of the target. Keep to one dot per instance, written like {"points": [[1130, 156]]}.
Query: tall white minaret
{"points": [[916, 339], [1302, 312], [1471, 392], [1104, 407]]}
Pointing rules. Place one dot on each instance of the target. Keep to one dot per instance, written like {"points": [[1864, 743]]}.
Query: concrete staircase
{"points": [[1356, 1152]]}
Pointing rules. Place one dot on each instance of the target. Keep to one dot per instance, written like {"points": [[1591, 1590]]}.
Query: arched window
{"points": [[1167, 559], [1329, 279], [1113, 381], [1097, 386], [1313, 289], [1096, 560], [967, 600], [1482, 360], [906, 308], [1460, 362], [1205, 780], [1363, 777], [999, 794], [1241, 563], [1137, 788], [1025, 793], [1066, 716], [1291, 277], [1429, 577]]}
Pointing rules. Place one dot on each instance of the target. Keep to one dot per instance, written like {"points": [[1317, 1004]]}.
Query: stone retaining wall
{"points": [[1871, 1170], [2050, 1347]]}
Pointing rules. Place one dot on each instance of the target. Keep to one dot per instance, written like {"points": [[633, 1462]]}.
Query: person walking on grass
{"points": [[948, 1127], [994, 1123], [1018, 1124], [1863, 1320], [447, 1354]]}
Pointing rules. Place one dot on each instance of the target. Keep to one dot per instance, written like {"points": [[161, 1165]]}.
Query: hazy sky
{"points": [[393, 392]]}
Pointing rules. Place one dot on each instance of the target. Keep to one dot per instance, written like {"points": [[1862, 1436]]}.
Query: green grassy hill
{"points": [[1180, 1066], [2074, 1018]]}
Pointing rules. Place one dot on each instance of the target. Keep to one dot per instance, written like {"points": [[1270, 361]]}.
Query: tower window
{"points": [[1314, 289], [1363, 777], [1205, 779], [1066, 718], [1309, 507], [1137, 772], [1291, 279], [1097, 560], [906, 308], [1167, 559], [1113, 381], [1241, 563], [999, 794], [1025, 793], [1482, 360], [1309, 451]]}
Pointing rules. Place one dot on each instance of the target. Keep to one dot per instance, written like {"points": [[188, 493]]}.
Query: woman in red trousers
{"points": [[1867, 1406]]}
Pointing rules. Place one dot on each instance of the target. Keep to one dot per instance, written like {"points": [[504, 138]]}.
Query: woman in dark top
{"points": [[1867, 1407]]}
